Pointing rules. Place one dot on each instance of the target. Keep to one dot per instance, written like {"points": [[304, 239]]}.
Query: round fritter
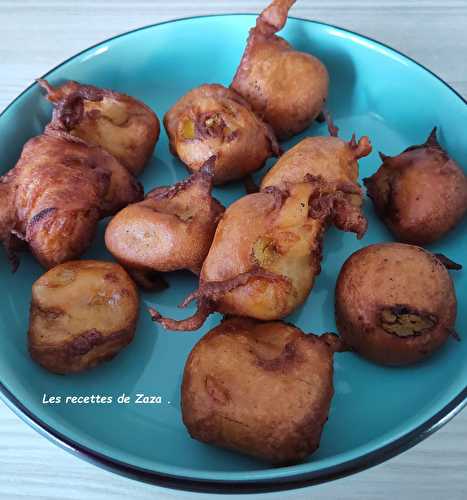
{"points": [[285, 87], [171, 229], [263, 389], [82, 313], [120, 124], [212, 120], [395, 303], [266, 252], [420, 194]]}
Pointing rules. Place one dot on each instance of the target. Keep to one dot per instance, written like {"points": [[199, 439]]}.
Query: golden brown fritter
{"points": [[171, 229], [267, 251], [395, 303], [8, 216], [285, 87], [329, 157], [212, 120], [263, 389], [120, 124], [420, 194], [82, 313], [62, 186]]}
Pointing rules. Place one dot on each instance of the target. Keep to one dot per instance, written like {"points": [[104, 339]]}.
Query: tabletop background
{"points": [[36, 36]]}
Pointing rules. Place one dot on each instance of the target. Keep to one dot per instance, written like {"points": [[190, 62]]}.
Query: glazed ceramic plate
{"points": [[376, 412]]}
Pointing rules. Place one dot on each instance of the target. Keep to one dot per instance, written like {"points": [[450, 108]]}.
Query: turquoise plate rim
{"points": [[253, 485]]}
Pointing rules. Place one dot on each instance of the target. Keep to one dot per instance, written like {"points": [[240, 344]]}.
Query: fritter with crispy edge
{"points": [[212, 120], [285, 87], [172, 229], [263, 389], [420, 194]]}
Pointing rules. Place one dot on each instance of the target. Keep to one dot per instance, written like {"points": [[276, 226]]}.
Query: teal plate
{"points": [[376, 412]]}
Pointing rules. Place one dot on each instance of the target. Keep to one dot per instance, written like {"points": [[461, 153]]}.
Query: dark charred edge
{"points": [[10, 245], [329, 203], [276, 149], [250, 184], [148, 279], [336, 208], [432, 140], [320, 118], [86, 91], [448, 263], [335, 342], [38, 218], [333, 130], [454, 334], [85, 342], [402, 309], [383, 157], [203, 176], [430, 143], [69, 109], [279, 195]]}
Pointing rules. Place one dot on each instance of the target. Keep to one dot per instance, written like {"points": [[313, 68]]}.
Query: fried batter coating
{"points": [[263, 389], [59, 189], [122, 125], [212, 120], [420, 194], [171, 229], [267, 251], [285, 87], [82, 313], [395, 303], [329, 157]]}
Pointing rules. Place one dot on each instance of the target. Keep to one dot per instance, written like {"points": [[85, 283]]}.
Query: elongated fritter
{"points": [[267, 251], [58, 191]]}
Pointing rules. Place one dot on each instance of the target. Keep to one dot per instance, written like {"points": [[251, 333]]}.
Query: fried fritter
{"points": [[395, 303], [61, 187], [420, 194], [212, 120], [267, 251], [82, 313], [285, 87], [171, 229], [263, 389], [122, 125]]}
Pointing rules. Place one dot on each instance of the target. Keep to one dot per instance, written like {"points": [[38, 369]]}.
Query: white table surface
{"points": [[37, 35]]}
